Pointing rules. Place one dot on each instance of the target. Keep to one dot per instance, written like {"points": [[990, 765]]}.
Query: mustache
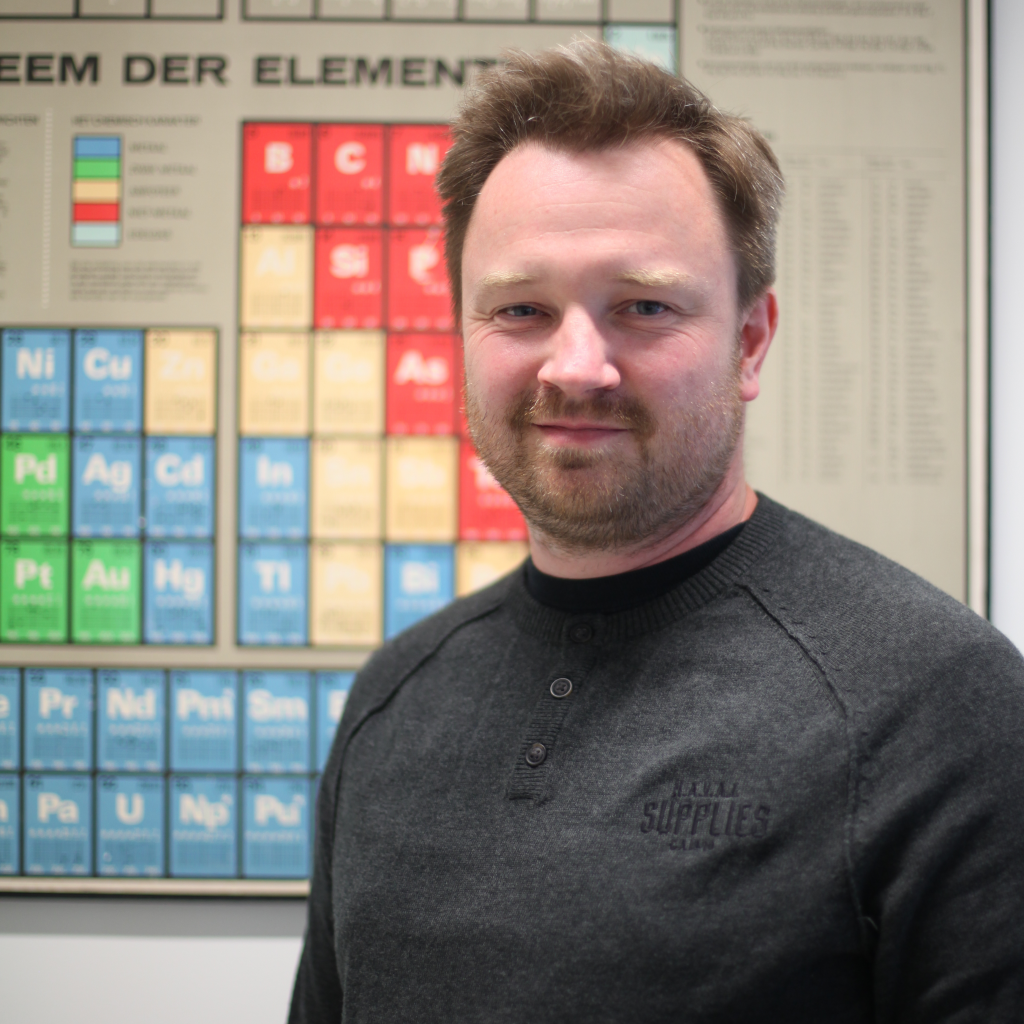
{"points": [[613, 410]]}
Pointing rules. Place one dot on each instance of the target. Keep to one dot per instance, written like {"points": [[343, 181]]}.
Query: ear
{"points": [[756, 333]]}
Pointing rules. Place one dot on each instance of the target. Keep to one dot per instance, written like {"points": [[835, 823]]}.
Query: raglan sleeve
{"points": [[939, 839], [317, 995]]}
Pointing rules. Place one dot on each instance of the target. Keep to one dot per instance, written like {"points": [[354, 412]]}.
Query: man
{"points": [[701, 759]]}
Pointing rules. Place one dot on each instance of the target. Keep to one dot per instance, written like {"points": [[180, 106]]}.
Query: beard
{"points": [[583, 499]]}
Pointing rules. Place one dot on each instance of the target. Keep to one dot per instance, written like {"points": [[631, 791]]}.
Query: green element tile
{"points": [[97, 167], [35, 473], [34, 591], [106, 591]]}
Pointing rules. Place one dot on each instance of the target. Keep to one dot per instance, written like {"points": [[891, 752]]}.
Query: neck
{"points": [[733, 502]]}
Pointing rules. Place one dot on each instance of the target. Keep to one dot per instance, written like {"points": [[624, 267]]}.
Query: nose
{"points": [[579, 358]]}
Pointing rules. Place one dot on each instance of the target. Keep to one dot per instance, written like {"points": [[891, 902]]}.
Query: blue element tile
{"points": [[273, 497], [204, 721], [36, 388], [272, 594], [58, 719], [331, 694], [178, 595], [419, 579], [131, 720], [130, 826], [179, 486], [57, 811], [276, 827], [276, 734], [204, 833]]}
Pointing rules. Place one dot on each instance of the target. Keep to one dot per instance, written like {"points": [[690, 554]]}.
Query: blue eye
{"points": [[648, 307], [520, 310]]}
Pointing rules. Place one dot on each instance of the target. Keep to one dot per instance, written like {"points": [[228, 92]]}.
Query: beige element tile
{"points": [[346, 488], [277, 277], [274, 385], [181, 382], [421, 501], [348, 382], [346, 594]]}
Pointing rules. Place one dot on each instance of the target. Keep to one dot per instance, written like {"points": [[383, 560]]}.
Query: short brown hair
{"points": [[588, 96]]}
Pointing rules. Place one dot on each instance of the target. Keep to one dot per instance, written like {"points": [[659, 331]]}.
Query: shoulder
{"points": [[867, 618]]}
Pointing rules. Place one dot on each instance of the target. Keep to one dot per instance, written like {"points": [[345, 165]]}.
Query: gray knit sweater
{"points": [[791, 789]]}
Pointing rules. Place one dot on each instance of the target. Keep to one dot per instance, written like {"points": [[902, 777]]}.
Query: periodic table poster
{"points": [[233, 459]]}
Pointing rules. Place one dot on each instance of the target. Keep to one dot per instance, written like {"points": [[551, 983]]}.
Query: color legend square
{"points": [[96, 180]]}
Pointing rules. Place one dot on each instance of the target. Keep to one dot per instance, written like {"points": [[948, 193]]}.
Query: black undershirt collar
{"points": [[610, 594]]}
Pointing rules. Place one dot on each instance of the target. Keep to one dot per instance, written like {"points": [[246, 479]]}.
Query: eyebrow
{"points": [[644, 278], [653, 278], [506, 278]]}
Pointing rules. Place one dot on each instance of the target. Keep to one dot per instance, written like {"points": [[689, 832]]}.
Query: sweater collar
{"points": [[557, 626]]}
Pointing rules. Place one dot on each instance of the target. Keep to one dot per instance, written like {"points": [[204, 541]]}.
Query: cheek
{"points": [[669, 385], [496, 369]]}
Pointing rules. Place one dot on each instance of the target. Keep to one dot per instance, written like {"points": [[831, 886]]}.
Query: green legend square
{"points": [[106, 591], [34, 591], [35, 471]]}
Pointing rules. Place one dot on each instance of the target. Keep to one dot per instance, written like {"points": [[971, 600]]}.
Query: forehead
{"points": [[652, 194]]}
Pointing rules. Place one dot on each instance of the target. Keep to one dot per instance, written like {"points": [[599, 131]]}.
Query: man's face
{"points": [[605, 370]]}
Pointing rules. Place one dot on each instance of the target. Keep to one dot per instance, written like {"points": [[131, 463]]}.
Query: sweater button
{"points": [[561, 687], [581, 633], [535, 754]]}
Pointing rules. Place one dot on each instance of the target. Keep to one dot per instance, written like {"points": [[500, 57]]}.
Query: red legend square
{"points": [[420, 391], [418, 296], [349, 174], [486, 511], [96, 212], [348, 290], [416, 152], [276, 173]]}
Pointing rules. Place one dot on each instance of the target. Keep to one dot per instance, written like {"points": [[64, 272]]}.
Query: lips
{"points": [[577, 425], [578, 433]]}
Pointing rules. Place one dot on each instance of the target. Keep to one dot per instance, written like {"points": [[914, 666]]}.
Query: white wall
{"points": [[1007, 538], [130, 961]]}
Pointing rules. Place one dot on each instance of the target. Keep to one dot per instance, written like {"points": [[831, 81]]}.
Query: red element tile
{"points": [[96, 212], [415, 155], [277, 166], [349, 174], [348, 288], [418, 296], [486, 511], [420, 388]]}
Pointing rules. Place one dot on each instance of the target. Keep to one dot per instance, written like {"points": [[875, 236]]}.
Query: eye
{"points": [[647, 307], [521, 310]]}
